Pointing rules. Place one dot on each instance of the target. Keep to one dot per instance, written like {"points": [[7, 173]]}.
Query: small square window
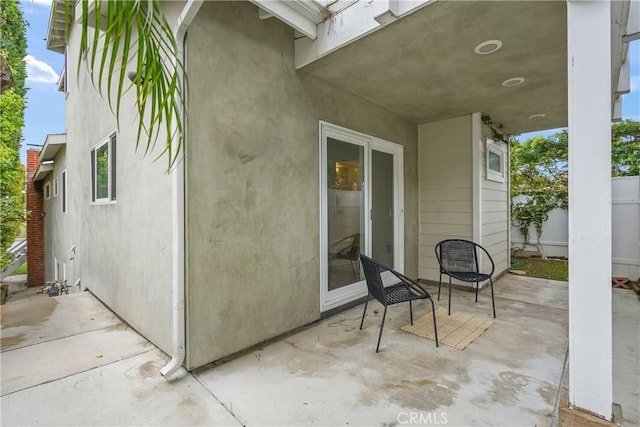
{"points": [[495, 162]]}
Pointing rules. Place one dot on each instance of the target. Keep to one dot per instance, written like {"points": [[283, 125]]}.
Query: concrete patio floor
{"points": [[70, 361]]}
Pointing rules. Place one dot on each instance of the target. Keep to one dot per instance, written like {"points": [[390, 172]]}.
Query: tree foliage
{"points": [[137, 34], [539, 172], [625, 148], [13, 47]]}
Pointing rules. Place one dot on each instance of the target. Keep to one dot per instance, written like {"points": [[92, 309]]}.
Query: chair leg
{"points": [[477, 286], [411, 312], [439, 285], [381, 327], [435, 328], [493, 301], [449, 295], [365, 311]]}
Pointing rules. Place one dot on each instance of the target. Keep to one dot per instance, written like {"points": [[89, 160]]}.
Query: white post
{"points": [[589, 104]]}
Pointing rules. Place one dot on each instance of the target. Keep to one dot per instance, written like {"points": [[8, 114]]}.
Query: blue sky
{"points": [[45, 105]]}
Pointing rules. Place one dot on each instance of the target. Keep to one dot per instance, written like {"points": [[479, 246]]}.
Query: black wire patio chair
{"points": [[404, 290], [458, 258]]}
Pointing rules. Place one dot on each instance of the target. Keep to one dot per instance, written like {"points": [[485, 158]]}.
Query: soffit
{"points": [[57, 30], [53, 144], [423, 66]]}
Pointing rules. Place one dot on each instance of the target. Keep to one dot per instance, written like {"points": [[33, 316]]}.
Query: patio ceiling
{"points": [[423, 67]]}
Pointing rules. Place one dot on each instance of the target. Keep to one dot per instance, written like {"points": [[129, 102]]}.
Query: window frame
{"points": [[110, 142], [64, 183], [493, 148], [56, 186], [46, 190]]}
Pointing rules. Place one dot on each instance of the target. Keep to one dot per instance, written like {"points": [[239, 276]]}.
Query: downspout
{"points": [[178, 209]]}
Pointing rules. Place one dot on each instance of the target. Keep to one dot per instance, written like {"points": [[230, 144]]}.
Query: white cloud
{"points": [[42, 2], [39, 71]]}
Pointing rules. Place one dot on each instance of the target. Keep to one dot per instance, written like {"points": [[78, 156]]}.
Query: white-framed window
{"points": [[47, 190], [496, 160], [64, 190], [55, 187], [103, 170]]}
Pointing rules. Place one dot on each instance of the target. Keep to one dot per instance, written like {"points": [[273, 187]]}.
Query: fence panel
{"points": [[625, 212]]}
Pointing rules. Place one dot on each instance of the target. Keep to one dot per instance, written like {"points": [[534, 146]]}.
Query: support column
{"points": [[589, 104]]}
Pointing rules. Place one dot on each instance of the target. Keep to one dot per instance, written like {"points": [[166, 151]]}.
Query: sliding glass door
{"points": [[361, 210]]}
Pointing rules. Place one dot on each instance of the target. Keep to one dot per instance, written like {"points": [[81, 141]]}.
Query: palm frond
{"points": [[121, 34]]}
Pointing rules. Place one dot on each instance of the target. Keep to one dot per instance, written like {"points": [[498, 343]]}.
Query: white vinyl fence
{"points": [[625, 211]]}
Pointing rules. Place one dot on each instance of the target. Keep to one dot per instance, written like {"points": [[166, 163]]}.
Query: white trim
{"points": [[498, 149], [589, 106], [65, 191], [94, 170], [288, 16], [476, 171], [345, 294]]}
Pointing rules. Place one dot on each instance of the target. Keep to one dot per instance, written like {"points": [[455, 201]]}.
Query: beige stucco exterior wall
{"points": [[57, 244], [446, 192], [252, 180], [124, 248]]}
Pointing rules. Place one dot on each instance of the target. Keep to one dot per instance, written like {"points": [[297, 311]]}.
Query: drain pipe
{"points": [[178, 211]]}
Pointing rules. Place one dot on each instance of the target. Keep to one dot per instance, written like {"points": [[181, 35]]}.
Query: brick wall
{"points": [[35, 223]]}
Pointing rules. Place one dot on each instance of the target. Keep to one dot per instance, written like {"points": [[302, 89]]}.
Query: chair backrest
{"points": [[373, 278], [456, 255], [352, 251]]}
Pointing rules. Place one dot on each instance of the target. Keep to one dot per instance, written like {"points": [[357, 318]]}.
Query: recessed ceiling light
{"points": [[488, 47], [514, 81], [537, 116]]}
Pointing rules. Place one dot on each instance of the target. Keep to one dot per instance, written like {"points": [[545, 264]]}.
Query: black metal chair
{"points": [[459, 259], [405, 290]]}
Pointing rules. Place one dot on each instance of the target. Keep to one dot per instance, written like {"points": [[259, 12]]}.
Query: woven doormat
{"points": [[456, 331]]}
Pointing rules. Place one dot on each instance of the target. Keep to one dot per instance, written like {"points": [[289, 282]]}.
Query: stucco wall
{"points": [[123, 249], [446, 195], [253, 189], [57, 242]]}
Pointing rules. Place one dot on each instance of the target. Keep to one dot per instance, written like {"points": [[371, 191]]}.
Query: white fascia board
{"points": [[351, 24], [624, 79], [288, 16], [633, 23]]}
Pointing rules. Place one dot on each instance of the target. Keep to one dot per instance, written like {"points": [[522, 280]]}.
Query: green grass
{"points": [[552, 269], [21, 270]]}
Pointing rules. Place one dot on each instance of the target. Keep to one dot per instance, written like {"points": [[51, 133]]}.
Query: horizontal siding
{"points": [[494, 195], [447, 182], [455, 194], [448, 218], [445, 188], [445, 206], [492, 206], [495, 219]]}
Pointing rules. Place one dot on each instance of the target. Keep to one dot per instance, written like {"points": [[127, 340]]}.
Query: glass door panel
{"points": [[382, 211], [345, 211]]}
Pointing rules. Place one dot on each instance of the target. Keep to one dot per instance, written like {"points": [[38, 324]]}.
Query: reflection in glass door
{"points": [[345, 211], [361, 210], [382, 211]]}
